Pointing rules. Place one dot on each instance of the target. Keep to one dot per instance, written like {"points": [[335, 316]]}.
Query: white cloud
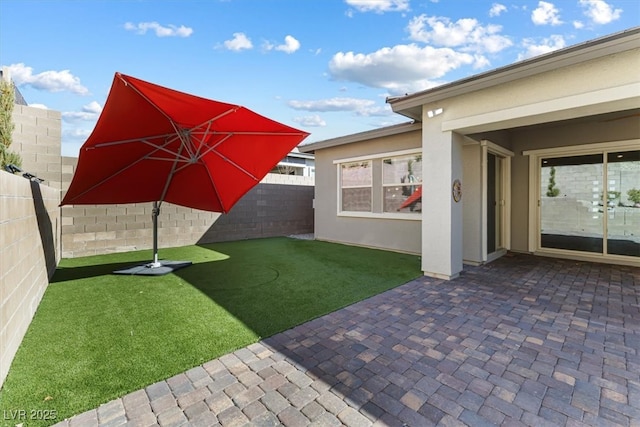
{"points": [[599, 11], [161, 31], [553, 42], [375, 111], [358, 106], [72, 140], [332, 104], [466, 34], [239, 42], [546, 14], [290, 45], [480, 61], [50, 81], [41, 106], [400, 69], [497, 9], [77, 133], [578, 25], [310, 121], [89, 112], [379, 6]]}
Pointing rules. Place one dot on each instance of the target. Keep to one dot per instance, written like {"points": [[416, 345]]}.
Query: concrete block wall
{"points": [[279, 205], [29, 253], [37, 137], [267, 210]]}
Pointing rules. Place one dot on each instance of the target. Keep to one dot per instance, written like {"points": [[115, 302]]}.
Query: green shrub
{"points": [[634, 195], [552, 190], [7, 100]]}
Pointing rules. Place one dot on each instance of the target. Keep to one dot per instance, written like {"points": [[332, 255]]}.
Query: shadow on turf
{"points": [[64, 274]]}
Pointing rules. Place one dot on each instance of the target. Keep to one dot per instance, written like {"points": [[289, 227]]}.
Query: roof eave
{"points": [[411, 105], [361, 136]]}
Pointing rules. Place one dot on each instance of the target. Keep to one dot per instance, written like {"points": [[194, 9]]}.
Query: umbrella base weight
{"points": [[159, 268]]}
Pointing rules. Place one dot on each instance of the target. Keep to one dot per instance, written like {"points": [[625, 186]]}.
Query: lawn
{"points": [[97, 336]]}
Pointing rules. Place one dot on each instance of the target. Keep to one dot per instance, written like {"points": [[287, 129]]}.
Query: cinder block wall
{"points": [[279, 205], [268, 210], [37, 137], [29, 254]]}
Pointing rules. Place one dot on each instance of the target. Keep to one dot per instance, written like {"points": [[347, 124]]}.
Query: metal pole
{"points": [[154, 216]]}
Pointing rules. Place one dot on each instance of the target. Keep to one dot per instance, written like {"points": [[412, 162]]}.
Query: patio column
{"points": [[442, 160]]}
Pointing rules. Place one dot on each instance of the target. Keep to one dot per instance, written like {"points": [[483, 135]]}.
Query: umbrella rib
{"points": [[161, 147], [146, 157], [146, 98], [127, 141], [213, 147], [176, 128], [225, 158], [204, 135], [171, 137], [215, 190]]}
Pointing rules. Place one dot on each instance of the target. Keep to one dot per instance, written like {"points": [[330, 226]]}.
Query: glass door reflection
{"points": [[571, 203], [623, 203]]}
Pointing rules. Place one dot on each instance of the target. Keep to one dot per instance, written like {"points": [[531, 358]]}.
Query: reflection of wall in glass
{"points": [[590, 203], [623, 218], [572, 220]]}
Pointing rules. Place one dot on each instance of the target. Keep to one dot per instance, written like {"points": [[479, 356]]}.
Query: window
{"points": [[383, 185], [355, 184], [402, 184]]}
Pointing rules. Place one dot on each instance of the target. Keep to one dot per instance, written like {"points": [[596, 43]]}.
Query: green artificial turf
{"points": [[97, 336]]}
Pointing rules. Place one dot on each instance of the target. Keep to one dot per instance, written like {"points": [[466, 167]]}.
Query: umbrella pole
{"points": [[154, 216], [154, 268]]}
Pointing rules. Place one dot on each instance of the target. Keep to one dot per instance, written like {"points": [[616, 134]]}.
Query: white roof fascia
{"points": [[362, 136]]}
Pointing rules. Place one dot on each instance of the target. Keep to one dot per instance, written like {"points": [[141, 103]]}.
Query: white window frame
{"points": [[372, 158], [341, 187], [535, 157], [383, 185]]}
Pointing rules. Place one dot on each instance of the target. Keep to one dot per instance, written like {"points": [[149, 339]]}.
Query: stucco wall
{"points": [[392, 234], [29, 253]]}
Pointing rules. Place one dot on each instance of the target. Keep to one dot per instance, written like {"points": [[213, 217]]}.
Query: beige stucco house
{"points": [[541, 156]]}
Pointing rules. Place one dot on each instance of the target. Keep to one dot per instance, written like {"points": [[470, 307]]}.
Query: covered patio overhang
{"points": [[588, 94]]}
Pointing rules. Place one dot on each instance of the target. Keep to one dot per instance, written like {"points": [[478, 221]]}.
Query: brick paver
{"points": [[522, 341]]}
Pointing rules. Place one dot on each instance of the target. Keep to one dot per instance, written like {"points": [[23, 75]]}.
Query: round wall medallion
{"points": [[457, 190]]}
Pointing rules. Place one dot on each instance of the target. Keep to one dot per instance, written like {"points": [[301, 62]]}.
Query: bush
{"points": [[552, 190], [7, 99], [634, 195]]}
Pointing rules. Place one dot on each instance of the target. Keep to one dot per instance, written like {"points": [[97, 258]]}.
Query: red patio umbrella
{"points": [[154, 144]]}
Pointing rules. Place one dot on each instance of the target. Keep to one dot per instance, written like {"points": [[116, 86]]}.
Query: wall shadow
{"points": [[45, 229], [64, 274], [267, 210]]}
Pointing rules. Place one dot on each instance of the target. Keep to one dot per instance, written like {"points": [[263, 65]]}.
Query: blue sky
{"points": [[324, 66]]}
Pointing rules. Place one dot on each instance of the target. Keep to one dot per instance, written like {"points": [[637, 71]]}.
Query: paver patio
{"points": [[521, 341]]}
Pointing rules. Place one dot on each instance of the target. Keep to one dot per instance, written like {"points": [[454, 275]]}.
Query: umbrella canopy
{"points": [[154, 144]]}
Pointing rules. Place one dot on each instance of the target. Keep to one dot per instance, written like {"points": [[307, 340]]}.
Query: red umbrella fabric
{"points": [[413, 198], [152, 143]]}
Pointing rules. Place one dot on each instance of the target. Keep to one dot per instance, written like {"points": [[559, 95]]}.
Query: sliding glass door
{"points": [[591, 203], [623, 204]]}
